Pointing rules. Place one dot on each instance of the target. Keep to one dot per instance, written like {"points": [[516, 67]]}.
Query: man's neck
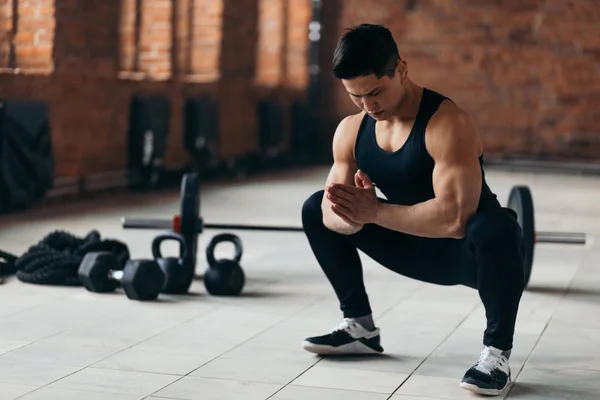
{"points": [[408, 109]]}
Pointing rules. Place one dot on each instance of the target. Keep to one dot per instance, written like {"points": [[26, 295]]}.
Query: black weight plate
{"points": [[190, 212], [521, 201]]}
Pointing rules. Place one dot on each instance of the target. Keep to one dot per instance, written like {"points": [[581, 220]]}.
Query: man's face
{"points": [[378, 97]]}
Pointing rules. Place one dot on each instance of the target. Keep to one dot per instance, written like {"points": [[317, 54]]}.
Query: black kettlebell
{"points": [[179, 272], [224, 277]]}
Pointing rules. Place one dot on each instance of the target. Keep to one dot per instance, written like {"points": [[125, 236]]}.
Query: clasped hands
{"points": [[356, 205]]}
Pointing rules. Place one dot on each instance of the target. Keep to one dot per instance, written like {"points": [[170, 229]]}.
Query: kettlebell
{"points": [[224, 277], [179, 272]]}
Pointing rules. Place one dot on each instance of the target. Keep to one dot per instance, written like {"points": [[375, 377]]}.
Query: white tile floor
{"points": [[66, 343]]}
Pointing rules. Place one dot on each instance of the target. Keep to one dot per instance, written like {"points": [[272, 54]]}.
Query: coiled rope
{"points": [[55, 259]]}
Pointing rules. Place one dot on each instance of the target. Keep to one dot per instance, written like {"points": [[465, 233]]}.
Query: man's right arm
{"points": [[343, 170]]}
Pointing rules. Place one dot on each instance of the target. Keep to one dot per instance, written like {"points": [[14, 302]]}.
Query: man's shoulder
{"points": [[452, 124], [351, 122], [346, 133], [451, 117], [349, 126]]}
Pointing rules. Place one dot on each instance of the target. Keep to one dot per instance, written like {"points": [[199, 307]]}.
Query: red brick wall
{"points": [[204, 47], [527, 70]]}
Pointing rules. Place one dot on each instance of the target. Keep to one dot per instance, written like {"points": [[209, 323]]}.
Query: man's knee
{"points": [[311, 210], [494, 231]]}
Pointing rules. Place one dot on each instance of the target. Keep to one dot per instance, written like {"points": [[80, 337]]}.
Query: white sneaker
{"points": [[491, 375], [349, 337]]}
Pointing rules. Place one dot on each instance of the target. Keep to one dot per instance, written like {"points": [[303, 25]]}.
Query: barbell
{"points": [[190, 224], [520, 200]]}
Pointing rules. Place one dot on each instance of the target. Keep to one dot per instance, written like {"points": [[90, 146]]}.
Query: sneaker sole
{"points": [[486, 392], [348, 348]]}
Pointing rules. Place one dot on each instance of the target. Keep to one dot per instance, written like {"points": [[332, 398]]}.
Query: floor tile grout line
{"points": [[50, 383], [385, 311], [79, 390], [513, 380], [85, 326], [434, 349], [289, 317], [206, 312], [239, 344], [118, 352], [562, 297], [36, 305], [34, 342], [215, 310], [285, 318], [563, 294], [155, 335], [210, 311], [401, 300]]}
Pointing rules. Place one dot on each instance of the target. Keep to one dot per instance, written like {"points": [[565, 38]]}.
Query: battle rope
{"points": [[56, 258]]}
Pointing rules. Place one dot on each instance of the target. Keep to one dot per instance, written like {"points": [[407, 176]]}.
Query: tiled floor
{"points": [[66, 343]]}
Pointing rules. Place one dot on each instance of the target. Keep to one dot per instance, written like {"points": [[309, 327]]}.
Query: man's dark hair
{"points": [[363, 50]]}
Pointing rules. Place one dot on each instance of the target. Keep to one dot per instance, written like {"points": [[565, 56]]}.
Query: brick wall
{"points": [[527, 70], [107, 51]]}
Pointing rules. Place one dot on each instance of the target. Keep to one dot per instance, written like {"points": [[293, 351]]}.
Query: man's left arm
{"points": [[454, 144]]}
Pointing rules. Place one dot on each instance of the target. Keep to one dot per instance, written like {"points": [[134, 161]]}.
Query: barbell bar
{"points": [[560, 237], [165, 224], [189, 222], [174, 224]]}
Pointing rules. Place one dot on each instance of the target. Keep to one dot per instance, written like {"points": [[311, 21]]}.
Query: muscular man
{"points": [[439, 222]]}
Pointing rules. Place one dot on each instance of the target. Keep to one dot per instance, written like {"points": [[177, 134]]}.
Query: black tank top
{"points": [[405, 176]]}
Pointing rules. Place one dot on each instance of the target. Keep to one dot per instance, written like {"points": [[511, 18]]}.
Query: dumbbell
{"points": [[141, 279]]}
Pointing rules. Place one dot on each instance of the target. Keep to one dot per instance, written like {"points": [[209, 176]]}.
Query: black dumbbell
{"points": [[141, 279]]}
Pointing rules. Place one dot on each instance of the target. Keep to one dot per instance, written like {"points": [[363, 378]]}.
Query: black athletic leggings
{"points": [[488, 259]]}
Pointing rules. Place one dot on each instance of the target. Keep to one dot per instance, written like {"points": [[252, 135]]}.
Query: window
{"points": [[129, 38], [203, 36], [27, 36], [147, 42], [282, 58], [269, 68], [146, 39], [298, 20]]}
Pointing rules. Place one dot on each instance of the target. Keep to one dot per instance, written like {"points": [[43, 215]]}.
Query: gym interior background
{"points": [[246, 84]]}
